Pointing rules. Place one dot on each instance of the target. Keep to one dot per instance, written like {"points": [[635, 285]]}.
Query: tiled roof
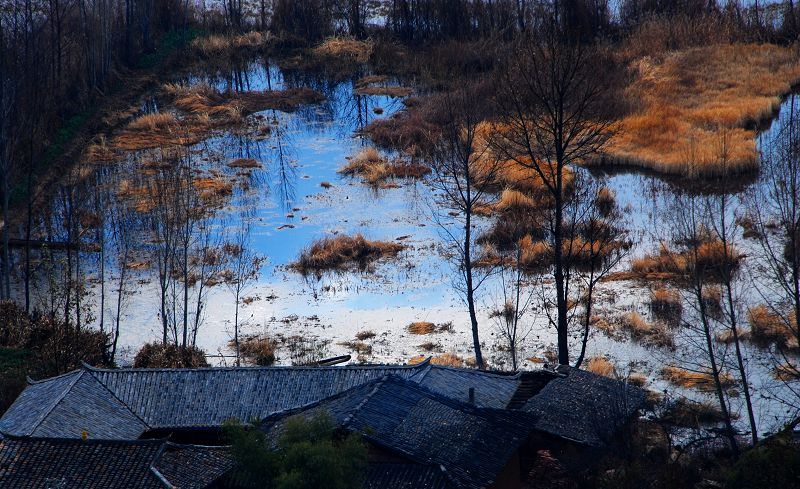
{"points": [[472, 444], [66, 406], [405, 476], [584, 407], [192, 466], [491, 390], [36, 463]]}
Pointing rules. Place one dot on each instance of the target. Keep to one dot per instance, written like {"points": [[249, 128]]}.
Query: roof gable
{"points": [[35, 403], [584, 407], [425, 427]]}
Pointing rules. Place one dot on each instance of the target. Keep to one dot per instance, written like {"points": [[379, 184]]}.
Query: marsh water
{"points": [[297, 196]]}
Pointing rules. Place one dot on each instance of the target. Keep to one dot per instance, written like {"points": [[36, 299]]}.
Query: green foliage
{"points": [[776, 463], [309, 454], [13, 365]]}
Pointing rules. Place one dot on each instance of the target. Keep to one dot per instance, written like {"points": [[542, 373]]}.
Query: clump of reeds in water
{"points": [[345, 47], [376, 170], [216, 44], [341, 253]]}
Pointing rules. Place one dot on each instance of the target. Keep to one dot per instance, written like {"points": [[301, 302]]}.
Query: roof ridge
{"points": [[255, 368], [115, 396], [155, 471], [58, 400], [378, 384], [79, 441], [48, 379]]}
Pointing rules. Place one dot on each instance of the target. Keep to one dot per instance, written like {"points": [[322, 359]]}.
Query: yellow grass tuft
{"points": [[446, 359], [667, 305], [421, 327], [345, 47], [375, 169], [342, 253], [688, 98], [767, 327], [689, 379], [650, 334], [601, 366]]}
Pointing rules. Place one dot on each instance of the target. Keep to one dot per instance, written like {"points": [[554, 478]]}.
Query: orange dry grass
{"points": [[160, 130], [512, 200], [421, 327], [374, 169], [216, 44], [689, 379], [768, 327], [345, 47], [710, 259], [666, 304], [343, 252], [650, 334], [690, 96], [600, 366], [534, 255], [244, 163], [446, 359]]}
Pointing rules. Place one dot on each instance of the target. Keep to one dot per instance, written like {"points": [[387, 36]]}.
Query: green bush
{"points": [[309, 454]]}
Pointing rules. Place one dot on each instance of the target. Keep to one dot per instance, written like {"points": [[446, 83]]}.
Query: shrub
{"points": [[159, 355], [650, 334], [774, 463], [601, 366], [702, 380], [257, 350]]}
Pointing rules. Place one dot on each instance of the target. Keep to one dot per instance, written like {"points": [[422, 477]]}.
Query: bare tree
{"points": [[464, 172], [551, 99], [245, 266]]}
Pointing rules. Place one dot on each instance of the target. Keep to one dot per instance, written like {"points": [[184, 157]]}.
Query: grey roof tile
{"points": [[36, 463], [584, 407], [472, 444]]}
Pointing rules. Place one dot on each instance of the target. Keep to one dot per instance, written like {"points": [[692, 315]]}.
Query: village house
{"points": [[425, 425]]}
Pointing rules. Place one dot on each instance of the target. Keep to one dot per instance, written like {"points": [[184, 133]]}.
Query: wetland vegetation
{"points": [[494, 184]]}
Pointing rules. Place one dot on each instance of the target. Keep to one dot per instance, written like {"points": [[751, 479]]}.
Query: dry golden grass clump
{"points": [[421, 327], [215, 45], [690, 96], [445, 359], [690, 379], [768, 327], [605, 201], [710, 260], [346, 48], [601, 366], [359, 347], [375, 170], [647, 333], [160, 130], [667, 305], [342, 253], [535, 256], [257, 350], [229, 107], [365, 335], [409, 131], [100, 152]]}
